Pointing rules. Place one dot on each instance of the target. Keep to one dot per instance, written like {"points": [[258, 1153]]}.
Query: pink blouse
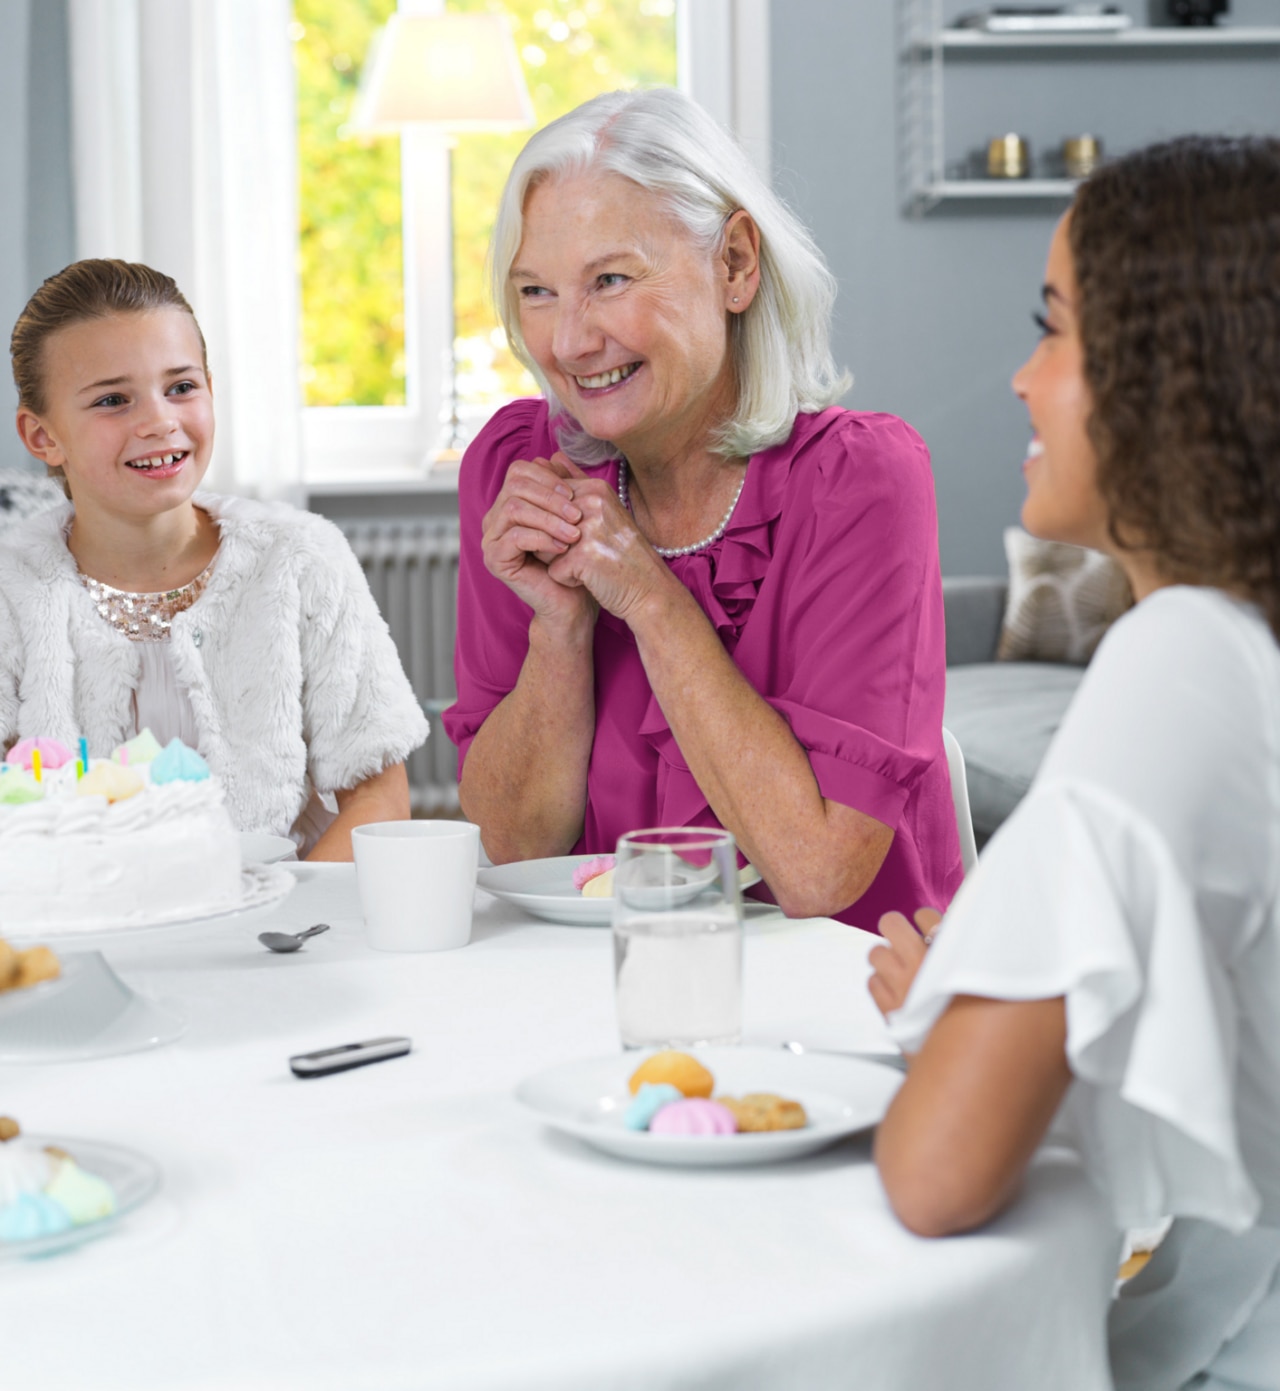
{"points": [[825, 589]]}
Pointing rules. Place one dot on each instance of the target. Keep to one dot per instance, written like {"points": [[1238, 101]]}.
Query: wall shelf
{"points": [[974, 41], [926, 48], [1001, 188]]}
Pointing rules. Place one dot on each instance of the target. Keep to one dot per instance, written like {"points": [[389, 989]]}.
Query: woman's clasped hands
{"points": [[561, 539]]}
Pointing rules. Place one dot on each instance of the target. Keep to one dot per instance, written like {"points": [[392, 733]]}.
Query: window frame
{"points": [[722, 56]]}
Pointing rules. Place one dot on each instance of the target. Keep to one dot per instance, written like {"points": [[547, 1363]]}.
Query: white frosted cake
{"points": [[142, 837]]}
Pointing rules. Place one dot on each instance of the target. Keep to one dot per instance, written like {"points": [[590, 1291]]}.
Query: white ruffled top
{"points": [[1138, 880]]}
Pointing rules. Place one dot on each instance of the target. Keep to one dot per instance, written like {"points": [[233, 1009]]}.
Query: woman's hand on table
{"points": [[897, 959], [534, 520]]}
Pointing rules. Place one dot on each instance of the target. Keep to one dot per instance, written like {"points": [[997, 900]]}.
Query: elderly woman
{"points": [[692, 593]]}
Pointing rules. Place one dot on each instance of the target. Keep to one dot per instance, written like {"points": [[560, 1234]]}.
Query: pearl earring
{"points": [[735, 299]]}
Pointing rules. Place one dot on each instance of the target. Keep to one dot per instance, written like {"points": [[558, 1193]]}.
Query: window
{"points": [[373, 224]]}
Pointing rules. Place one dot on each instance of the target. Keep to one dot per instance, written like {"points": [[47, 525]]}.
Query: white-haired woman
{"points": [[692, 591]]}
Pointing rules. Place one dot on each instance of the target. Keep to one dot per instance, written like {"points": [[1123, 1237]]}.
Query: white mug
{"points": [[417, 882]]}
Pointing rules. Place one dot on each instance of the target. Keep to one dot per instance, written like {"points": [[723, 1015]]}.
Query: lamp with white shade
{"points": [[454, 74]]}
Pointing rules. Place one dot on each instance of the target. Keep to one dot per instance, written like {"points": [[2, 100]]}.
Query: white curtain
{"points": [[184, 157]]}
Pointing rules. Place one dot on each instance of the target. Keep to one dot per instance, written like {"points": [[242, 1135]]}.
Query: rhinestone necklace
{"points": [[669, 552], [144, 617]]}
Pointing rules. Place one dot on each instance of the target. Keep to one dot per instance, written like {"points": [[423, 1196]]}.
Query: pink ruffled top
{"points": [[825, 589]]}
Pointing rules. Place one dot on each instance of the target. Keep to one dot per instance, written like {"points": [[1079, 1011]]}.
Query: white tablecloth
{"points": [[406, 1225]]}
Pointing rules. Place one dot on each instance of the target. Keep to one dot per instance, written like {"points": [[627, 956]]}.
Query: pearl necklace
{"points": [[670, 552]]}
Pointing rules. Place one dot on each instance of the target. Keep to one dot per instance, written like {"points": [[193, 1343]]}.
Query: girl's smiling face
{"points": [[129, 412], [1061, 467]]}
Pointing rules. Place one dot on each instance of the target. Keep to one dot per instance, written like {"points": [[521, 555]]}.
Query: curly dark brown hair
{"points": [[1177, 260]]}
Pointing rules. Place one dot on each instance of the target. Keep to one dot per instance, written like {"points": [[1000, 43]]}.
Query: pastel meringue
{"points": [[178, 763], [142, 748], [52, 753], [111, 781], [647, 1102], [694, 1115], [585, 875]]}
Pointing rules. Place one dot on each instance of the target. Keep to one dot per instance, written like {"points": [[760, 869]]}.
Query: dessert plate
{"points": [[545, 889], [258, 848], [842, 1095], [261, 887], [134, 1177]]}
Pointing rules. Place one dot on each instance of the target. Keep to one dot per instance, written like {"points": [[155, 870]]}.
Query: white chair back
{"points": [[960, 797]]}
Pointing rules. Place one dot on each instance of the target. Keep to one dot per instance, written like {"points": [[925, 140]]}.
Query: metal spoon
{"points": [[289, 941]]}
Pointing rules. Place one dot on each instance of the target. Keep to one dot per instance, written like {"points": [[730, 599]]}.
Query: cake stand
{"points": [[89, 1012]]}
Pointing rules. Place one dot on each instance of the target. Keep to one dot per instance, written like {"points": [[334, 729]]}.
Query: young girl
{"points": [[245, 628], [1113, 965]]}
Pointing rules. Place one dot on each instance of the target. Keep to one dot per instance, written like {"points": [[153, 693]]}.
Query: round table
{"points": [[407, 1225]]}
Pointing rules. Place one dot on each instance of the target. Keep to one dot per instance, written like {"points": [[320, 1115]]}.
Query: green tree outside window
{"points": [[351, 250]]}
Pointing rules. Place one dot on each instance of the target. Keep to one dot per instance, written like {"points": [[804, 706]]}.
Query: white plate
{"points": [[261, 887], [134, 1177], [258, 848], [545, 889], [841, 1096]]}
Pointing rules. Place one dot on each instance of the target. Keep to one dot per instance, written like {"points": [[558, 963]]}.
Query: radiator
{"points": [[412, 569]]}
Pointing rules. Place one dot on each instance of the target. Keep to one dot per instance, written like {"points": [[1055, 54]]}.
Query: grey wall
{"points": [[933, 315], [37, 222]]}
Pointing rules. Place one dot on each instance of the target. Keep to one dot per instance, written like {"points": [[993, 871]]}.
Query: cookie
{"points": [[34, 965], [760, 1111], [9, 1129], [8, 965], [679, 1069]]}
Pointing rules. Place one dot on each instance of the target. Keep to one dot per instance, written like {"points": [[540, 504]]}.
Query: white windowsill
{"points": [[444, 480]]}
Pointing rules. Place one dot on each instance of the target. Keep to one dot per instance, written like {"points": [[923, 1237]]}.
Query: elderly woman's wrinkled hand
{"points": [[612, 559], [896, 960], [533, 521]]}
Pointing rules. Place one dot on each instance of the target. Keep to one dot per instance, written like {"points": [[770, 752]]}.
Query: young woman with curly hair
{"points": [[1110, 974]]}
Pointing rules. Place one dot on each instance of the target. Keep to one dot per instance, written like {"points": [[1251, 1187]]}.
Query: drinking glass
{"points": [[677, 938]]}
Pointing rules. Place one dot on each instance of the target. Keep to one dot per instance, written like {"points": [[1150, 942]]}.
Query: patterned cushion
{"points": [[1061, 600]]}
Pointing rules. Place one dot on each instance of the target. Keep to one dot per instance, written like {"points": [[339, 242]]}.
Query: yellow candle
{"points": [[35, 765]]}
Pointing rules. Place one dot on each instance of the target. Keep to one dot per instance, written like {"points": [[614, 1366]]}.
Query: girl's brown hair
{"points": [[1177, 260], [93, 289]]}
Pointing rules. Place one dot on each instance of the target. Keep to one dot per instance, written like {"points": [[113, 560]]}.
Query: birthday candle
{"points": [[84, 753], [79, 769], [124, 756], [35, 765]]}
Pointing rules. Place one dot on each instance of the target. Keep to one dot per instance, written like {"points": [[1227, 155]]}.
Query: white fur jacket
{"points": [[292, 674]]}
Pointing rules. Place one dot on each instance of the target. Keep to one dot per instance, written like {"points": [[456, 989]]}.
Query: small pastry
{"points": [[178, 763], [693, 1116], [648, 1101], [683, 1072], [111, 781], [761, 1111], [586, 874], [8, 970], [34, 965]]}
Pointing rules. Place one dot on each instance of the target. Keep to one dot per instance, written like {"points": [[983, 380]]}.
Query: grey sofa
{"points": [[1003, 713]]}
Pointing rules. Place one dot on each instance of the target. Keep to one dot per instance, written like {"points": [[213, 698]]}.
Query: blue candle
{"points": [[84, 753]]}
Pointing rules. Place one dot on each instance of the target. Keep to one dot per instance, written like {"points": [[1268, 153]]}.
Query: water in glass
{"points": [[679, 980], [677, 936]]}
